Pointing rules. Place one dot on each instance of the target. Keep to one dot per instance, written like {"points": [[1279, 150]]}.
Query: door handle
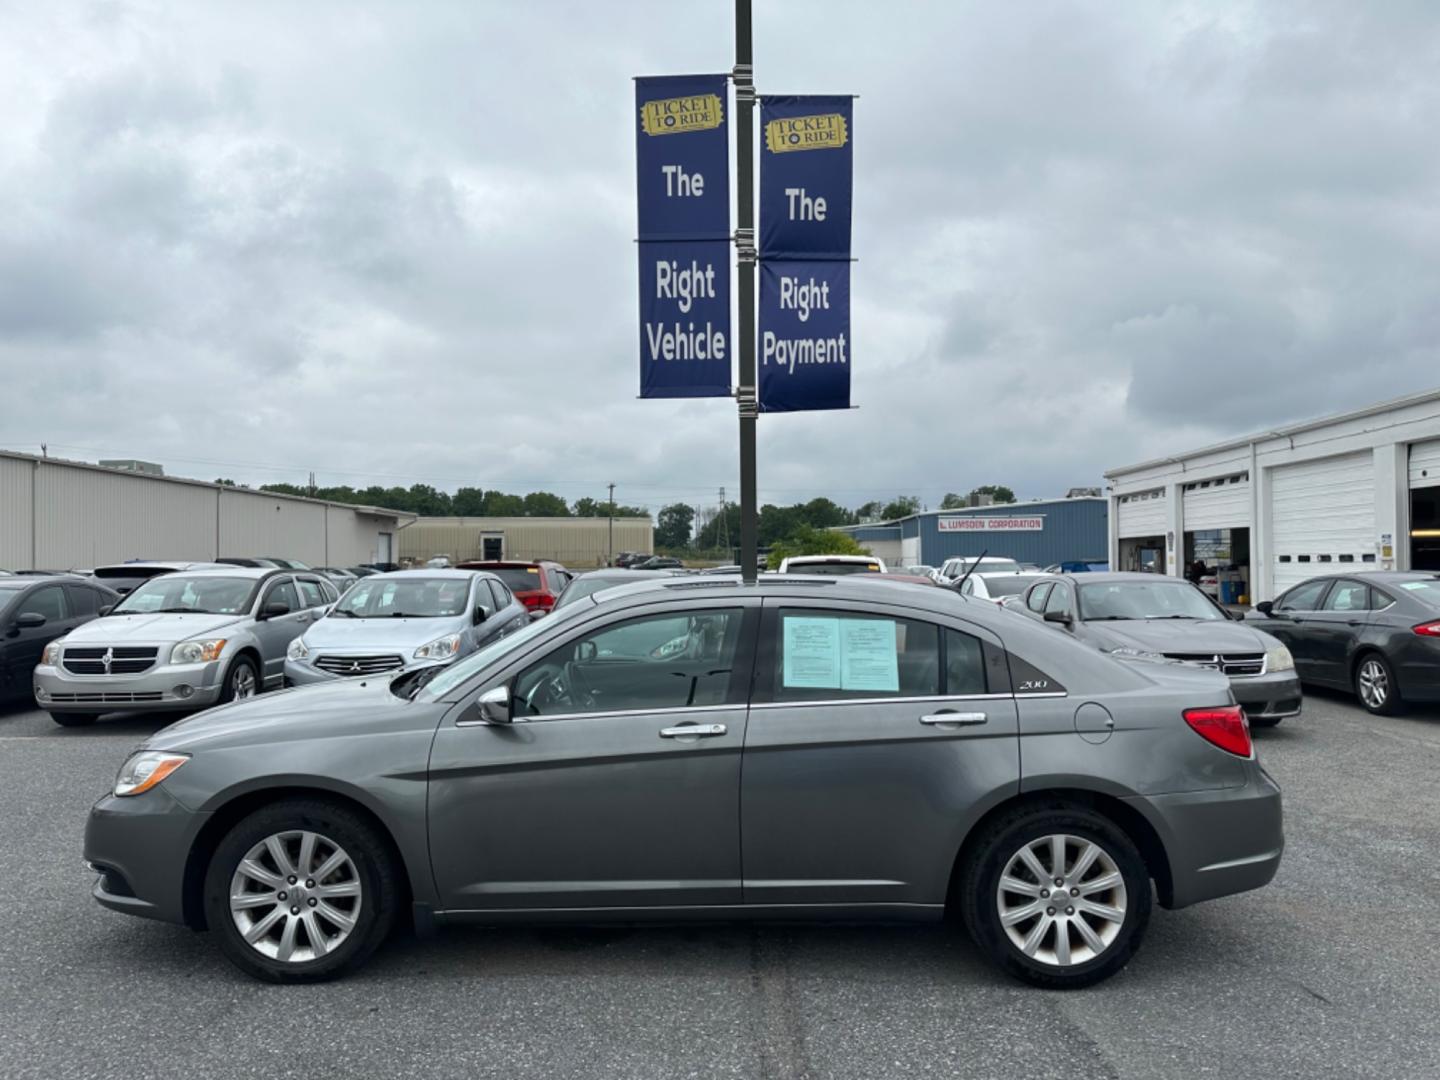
{"points": [[690, 731], [969, 718]]}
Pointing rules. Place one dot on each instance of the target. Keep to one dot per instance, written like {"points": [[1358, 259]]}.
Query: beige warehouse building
{"points": [[62, 515], [574, 541]]}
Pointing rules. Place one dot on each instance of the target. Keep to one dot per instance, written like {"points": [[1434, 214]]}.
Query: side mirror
{"points": [[1058, 617], [29, 620], [480, 615], [106, 609], [494, 705], [275, 609], [1265, 607], [586, 650]]}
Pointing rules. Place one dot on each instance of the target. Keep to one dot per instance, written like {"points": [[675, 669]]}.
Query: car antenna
{"points": [[970, 569]]}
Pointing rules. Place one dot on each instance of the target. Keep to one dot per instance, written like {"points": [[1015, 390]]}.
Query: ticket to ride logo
{"points": [[823, 132], [670, 116]]}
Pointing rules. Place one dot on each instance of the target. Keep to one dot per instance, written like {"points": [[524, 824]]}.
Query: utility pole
{"points": [[745, 392], [610, 542], [722, 534]]}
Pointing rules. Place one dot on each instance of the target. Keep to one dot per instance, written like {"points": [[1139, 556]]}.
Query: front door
{"points": [[1294, 622], [25, 645], [618, 783], [492, 547], [857, 788]]}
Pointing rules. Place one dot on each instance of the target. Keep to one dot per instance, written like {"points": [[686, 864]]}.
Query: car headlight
{"points": [[197, 652], [1279, 659], [1127, 653], [297, 650], [439, 649], [52, 653], [146, 769]]}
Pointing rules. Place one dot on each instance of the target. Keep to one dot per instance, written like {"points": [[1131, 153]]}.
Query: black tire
{"points": [[980, 903], [238, 667], [1391, 704], [74, 719], [1264, 721], [375, 871]]}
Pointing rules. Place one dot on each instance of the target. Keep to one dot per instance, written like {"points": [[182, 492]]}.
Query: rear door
{"points": [[876, 736], [1333, 631]]}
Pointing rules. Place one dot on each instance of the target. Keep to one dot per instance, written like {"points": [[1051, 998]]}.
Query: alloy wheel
{"points": [[1374, 683], [295, 896], [1062, 900], [242, 683]]}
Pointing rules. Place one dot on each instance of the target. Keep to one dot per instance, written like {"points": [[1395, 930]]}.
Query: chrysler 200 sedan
{"points": [[835, 748]]}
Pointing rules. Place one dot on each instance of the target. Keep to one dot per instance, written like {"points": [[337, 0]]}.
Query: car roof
{"points": [[858, 587], [1101, 576], [166, 564], [441, 573], [228, 571], [832, 558]]}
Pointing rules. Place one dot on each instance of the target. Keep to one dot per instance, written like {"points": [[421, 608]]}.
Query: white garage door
{"points": [[1323, 514], [1425, 464], [910, 551], [1221, 503], [1143, 514]]}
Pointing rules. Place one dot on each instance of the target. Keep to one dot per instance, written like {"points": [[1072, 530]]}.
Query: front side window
{"points": [[828, 655], [1348, 596], [284, 593], [1036, 600], [49, 601], [652, 663], [189, 594], [1303, 597], [1059, 599]]}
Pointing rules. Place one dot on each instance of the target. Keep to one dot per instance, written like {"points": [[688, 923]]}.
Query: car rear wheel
{"points": [[301, 891], [1058, 897], [241, 681], [1375, 685], [74, 719]]}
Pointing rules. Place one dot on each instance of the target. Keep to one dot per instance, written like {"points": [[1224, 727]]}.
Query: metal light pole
{"points": [[610, 532], [744, 78]]}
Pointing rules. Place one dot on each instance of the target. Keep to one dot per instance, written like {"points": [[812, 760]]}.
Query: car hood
{"points": [[338, 632], [343, 707], [149, 628], [1180, 636]]}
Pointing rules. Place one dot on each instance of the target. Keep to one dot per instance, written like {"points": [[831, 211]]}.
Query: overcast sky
{"points": [[392, 242]]}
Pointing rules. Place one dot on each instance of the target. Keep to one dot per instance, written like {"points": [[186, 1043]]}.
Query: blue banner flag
{"points": [[685, 319], [806, 166], [683, 182], [682, 134], [804, 355]]}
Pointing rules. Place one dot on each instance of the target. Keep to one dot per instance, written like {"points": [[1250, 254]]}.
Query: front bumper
{"points": [[1271, 696], [300, 673], [139, 846], [1221, 841], [164, 687]]}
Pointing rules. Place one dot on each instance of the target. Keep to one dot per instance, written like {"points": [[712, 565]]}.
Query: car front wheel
{"points": [[242, 681], [1058, 897], [300, 891]]}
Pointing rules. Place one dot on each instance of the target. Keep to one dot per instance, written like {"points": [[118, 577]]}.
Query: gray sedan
{"points": [[906, 752], [1164, 618]]}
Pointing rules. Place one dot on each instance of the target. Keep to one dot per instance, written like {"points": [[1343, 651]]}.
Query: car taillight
{"points": [[1224, 726], [540, 600], [1429, 629]]}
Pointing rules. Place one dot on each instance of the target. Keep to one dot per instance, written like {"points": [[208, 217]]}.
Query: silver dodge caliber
{"points": [[181, 641], [834, 748]]}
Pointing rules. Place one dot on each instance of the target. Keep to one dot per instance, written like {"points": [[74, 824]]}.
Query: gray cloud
{"points": [[393, 242]]}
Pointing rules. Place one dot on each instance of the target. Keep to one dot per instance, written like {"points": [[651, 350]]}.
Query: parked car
{"points": [[1376, 635], [952, 570], [917, 570], [996, 587], [1077, 568], [1165, 618], [908, 579], [732, 568], [537, 585], [590, 583], [243, 560], [657, 562], [628, 558], [34, 611], [383, 567], [408, 619], [832, 565], [51, 573], [284, 564], [640, 757], [123, 577], [338, 576], [181, 641], [438, 562], [361, 571]]}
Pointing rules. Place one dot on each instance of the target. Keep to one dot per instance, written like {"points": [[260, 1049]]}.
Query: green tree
{"points": [[822, 513], [999, 492], [545, 504], [499, 504], [953, 501], [902, 506], [468, 502], [869, 511], [710, 536], [672, 526], [811, 541]]}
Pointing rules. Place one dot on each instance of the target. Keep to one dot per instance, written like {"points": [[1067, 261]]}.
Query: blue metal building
{"points": [[1043, 532]]}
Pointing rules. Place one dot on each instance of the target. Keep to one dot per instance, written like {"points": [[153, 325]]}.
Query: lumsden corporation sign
{"points": [[976, 523]]}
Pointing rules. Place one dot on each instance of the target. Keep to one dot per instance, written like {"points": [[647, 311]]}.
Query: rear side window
{"points": [[964, 664], [310, 594], [827, 655], [85, 601], [1379, 600], [500, 595], [1059, 599], [1348, 596]]}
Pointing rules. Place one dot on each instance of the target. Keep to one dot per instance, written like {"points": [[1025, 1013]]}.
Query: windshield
{"points": [[413, 597], [519, 578], [834, 569], [988, 566], [190, 595], [1145, 600], [461, 670], [1008, 584]]}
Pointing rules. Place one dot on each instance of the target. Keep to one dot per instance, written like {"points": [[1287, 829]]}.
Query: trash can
{"points": [[1230, 590]]}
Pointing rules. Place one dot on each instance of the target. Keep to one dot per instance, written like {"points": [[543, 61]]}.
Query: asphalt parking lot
{"points": [[1329, 972]]}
